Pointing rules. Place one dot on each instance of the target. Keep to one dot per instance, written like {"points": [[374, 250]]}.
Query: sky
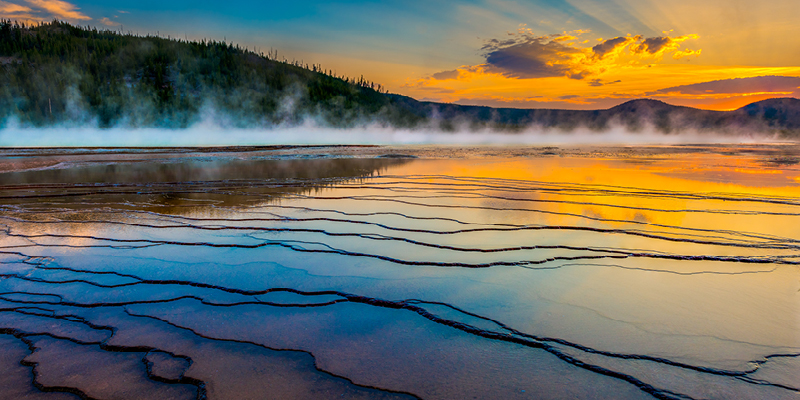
{"points": [[569, 54]]}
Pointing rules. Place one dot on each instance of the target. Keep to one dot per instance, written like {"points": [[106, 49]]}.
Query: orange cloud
{"points": [[657, 47], [11, 8], [40, 10], [445, 75], [107, 22], [59, 9], [17, 12], [686, 53]]}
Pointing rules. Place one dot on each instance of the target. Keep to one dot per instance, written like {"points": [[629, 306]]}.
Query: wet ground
{"points": [[401, 272]]}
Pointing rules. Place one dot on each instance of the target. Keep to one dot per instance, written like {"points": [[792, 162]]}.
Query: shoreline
{"points": [[17, 159]]}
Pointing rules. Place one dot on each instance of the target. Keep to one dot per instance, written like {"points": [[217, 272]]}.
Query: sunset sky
{"points": [[576, 54]]}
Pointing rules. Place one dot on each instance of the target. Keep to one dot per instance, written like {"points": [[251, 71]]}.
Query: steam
{"points": [[212, 131], [213, 127]]}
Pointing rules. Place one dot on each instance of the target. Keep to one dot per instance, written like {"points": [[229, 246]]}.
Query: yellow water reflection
{"points": [[620, 189]]}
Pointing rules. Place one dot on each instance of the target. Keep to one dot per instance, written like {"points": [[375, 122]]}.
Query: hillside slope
{"points": [[58, 73]]}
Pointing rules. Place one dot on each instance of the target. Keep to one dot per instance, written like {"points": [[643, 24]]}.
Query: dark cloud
{"points": [[599, 82], [652, 45], [609, 45], [578, 75], [739, 85], [576, 103], [534, 57], [493, 44], [444, 75]]}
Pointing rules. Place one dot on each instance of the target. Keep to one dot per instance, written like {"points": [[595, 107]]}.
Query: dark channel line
{"points": [[296, 246], [484, 227], [584, 188], [103, 345], [447, 190], [25, 337], [377, 236], [396, 199]]}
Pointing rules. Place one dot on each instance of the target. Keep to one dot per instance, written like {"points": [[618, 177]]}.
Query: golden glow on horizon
{"points": [[574, 70], [694, 174], [625, 82]]}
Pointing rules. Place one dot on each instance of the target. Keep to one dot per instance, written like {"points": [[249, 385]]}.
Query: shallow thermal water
{"points": [[501, 274]]}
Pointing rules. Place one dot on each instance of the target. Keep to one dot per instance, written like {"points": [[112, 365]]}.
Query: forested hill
{"points": [[60, 74], [56, 73]]}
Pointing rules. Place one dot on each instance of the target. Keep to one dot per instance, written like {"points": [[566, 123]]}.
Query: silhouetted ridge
{"points": [[777, 116], [782, 113]]}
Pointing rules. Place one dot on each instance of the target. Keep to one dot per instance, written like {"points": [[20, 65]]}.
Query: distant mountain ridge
{"points": [[57, 74], [779, 113], [779, 116]]}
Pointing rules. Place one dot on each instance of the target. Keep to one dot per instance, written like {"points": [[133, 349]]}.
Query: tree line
{"points": [[52, 73]]}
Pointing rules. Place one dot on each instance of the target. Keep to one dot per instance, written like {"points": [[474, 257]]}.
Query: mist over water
{"points": [[211, 133]]}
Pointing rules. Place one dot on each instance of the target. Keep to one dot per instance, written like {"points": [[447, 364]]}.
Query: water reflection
{"points": [[667, 276], [176, 184]]}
